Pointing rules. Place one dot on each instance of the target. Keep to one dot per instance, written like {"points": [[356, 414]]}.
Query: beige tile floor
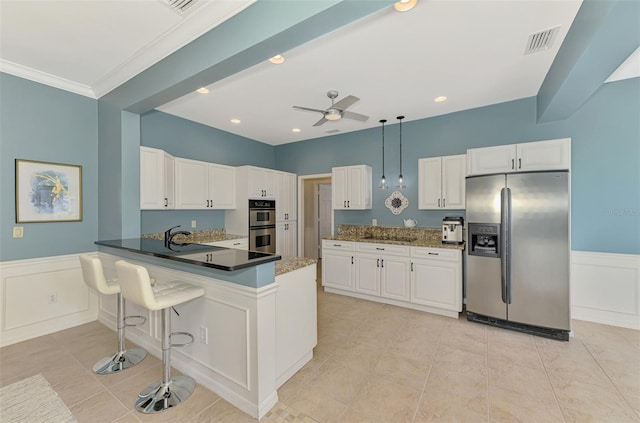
{"points": [[375, 363]]}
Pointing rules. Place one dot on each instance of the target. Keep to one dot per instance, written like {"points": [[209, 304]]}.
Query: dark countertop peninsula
{"points": [[219, 258]]}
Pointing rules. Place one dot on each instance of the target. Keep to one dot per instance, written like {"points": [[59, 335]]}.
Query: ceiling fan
{"points": [[337, 110]]}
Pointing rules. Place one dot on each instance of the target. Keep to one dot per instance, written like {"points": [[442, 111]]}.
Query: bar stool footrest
{"points": [[119, 361], [159, 397], [186, 344], [143, 320]]}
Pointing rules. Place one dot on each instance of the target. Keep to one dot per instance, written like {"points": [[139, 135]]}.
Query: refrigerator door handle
{"points": [[505, 220], [505, 240]]}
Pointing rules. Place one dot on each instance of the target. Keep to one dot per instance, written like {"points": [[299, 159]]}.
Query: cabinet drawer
{"points": [[239, 244], [337, 245], [400, 250], [436, 253]]}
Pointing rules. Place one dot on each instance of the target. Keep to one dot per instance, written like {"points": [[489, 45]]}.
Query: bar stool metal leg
{"points": [[171, 391], [123, 358]]}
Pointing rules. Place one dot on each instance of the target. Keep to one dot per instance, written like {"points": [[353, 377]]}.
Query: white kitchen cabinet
{"points": [[286, 241], [441, 182], [286, 196], [436, 278], [260, 182], [156, 179], [338, 270], [203, 185], [530, 156], [237, 244], [383, 270], [351, 187]]}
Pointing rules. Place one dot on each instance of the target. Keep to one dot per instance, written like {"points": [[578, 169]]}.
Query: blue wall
{"points": [[191, 140], [605, 136], [41, 123]]}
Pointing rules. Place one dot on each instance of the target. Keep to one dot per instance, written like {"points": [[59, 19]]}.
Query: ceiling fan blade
{"points": [[345, 102], [355, 116], [307, 108], [320, 122]]}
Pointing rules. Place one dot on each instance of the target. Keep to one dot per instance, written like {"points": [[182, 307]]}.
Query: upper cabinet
{"points": [[202, 185], [351, 187], [540, 155], [260, 182], [156, 179], [441, 183], [285, 196]]}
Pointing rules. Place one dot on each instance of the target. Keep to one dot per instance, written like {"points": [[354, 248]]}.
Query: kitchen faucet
{"points": [[168, 237]]}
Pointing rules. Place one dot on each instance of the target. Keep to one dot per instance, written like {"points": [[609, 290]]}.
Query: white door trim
{"points": [[301, 179]]}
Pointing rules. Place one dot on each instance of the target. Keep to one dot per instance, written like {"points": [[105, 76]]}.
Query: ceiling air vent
{"points": [[180, 6], [541, 40], [332, 131]]}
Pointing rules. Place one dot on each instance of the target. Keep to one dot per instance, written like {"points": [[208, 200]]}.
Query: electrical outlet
{"points": [[204, 335], [52, 298], [193, 223], [374, 222], [18, 231]]}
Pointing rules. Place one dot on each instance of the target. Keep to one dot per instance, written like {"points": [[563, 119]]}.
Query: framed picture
{"points": [[48, 192]]}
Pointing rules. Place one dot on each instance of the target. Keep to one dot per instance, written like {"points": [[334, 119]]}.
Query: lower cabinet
{"points": [[427, 279], [382, 270], [286, 240], [436, 278], [338, 270]]}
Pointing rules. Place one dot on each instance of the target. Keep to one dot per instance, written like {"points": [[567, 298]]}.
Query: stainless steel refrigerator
{"points": [[517, 255]]}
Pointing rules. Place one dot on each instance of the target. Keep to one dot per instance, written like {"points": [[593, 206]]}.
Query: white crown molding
{"points": [[45, 78], [630, 68], [197, 21]]}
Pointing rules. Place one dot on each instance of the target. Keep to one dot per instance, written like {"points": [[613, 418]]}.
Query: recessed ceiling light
{"points": [[278, 59], [295, 129], [440, 99], [235, 121], [405, 5], [202, 90]]}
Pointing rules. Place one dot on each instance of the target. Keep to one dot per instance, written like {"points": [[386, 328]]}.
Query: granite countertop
{"points": [[289, 264], [414, 237], [227, 259], [199, 236]]}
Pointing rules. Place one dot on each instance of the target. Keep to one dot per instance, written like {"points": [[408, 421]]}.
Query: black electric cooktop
{"points": [[199, 254]]}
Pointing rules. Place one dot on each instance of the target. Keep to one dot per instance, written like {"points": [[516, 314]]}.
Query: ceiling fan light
{"points": [[333, 115], [405, 5]]}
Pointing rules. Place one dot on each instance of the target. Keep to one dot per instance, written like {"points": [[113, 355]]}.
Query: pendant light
{"points": [[383, 180], [400, 178]]}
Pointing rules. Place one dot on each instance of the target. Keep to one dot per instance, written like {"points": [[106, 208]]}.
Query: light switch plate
{"points": [[18, 231], [193, 223]]}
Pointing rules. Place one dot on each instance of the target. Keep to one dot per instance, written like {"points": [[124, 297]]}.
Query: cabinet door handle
{"points": [[207, 203], [434, 254], [520, 163], [378, 263], [382, 263], [166, 202], [438, 202], [337, 245], [236, 243], [444, 202], [512, 164], [351, 259], [412, 266], [379, 249], [348, 205], [345, 204]]}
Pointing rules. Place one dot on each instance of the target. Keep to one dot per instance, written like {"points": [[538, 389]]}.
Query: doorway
{"points": [[315, 213]]}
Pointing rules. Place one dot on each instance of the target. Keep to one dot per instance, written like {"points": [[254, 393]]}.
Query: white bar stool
{"points": [[123, 359], [136, 286]]}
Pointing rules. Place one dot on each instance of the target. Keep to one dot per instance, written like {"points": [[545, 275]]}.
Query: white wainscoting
{"points": [[605, 288], [26, 307]]}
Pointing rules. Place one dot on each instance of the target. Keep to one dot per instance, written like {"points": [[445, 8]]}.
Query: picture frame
{"points": [[48, 192]]}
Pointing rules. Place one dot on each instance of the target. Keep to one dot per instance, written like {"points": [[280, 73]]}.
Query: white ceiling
{"points": [[471, 51]]}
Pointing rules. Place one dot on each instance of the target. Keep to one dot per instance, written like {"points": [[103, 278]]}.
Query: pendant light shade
{"points": [[401, 184], [383, 180]]}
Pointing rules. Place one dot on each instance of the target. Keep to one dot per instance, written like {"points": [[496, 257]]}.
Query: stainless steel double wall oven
{"points": [[262, 225]]}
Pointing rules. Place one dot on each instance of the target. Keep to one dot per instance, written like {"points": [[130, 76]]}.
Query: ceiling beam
{"points": [[602, 36], [261, 31]]}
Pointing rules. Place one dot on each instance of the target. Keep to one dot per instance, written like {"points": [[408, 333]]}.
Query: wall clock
{"points": [[396, 202]]}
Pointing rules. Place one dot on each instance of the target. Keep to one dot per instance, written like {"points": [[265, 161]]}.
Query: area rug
{"points": [[32, 400]]}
